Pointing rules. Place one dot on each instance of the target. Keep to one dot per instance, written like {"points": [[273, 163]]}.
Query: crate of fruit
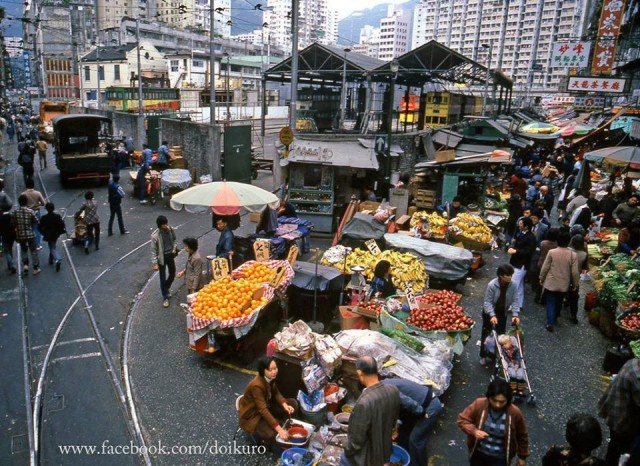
{"points": [[629, 322]]}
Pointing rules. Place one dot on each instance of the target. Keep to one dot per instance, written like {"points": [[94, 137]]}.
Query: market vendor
{"points": [[224, 247], [262, 408], [629, 238], [626, 211], [451, 209], [419, 411], [381, 285], [286, 209]]}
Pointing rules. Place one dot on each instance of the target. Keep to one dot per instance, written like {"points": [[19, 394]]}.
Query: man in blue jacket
{"points": [[419, 410]]}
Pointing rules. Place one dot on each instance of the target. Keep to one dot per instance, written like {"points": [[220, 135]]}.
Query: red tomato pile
{"points": [[443, 317], [440, 298], [371, 307], [631, 321]]}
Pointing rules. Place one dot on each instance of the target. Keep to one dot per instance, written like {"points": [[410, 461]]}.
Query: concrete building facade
{"points": [[532, 27], [394, 34]]}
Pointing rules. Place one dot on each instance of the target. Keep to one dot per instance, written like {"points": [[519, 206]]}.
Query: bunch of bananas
{"points": [[406, 269], [471, 226], [435, 224]]}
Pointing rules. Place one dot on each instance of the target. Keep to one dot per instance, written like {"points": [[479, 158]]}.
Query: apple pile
{"points": [[444, 317], [631, 321], [439, 298]]}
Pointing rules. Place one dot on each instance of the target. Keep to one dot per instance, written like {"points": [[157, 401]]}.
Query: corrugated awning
{"points": [[446, 138], [337, 153], [486, 157]]}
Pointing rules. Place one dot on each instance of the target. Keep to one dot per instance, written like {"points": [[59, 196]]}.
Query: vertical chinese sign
{"points": [[608, 30]]}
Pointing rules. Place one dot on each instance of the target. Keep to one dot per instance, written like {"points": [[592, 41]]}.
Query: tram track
{"points": [[117, 371]]}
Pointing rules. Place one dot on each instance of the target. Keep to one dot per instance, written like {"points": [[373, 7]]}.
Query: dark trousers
{"points": [[267, 433], [573, 297], [142, 185], [115, 210], [480, 459], [167, 280], [415, 431], [618, 445], [93, 235], [31, 245], [27, 172], [554, 305]]}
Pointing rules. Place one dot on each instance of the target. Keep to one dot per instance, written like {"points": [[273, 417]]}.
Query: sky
{"points": [[346, 7]]}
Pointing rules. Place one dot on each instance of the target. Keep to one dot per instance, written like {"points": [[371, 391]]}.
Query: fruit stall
{"points": [[231, 305], [614, 305]]}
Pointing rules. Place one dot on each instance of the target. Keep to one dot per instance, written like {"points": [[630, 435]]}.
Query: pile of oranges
{"points": [[227, 299], [257, 272]]}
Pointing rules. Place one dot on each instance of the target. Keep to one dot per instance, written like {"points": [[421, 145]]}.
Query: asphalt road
{"points": [[183, 400]]}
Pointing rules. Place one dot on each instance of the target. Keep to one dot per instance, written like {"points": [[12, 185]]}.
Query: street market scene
{"points": [[316, 254]]}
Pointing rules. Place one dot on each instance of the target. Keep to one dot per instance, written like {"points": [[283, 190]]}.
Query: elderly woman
{"points": [[263, 404], [495, 428]]}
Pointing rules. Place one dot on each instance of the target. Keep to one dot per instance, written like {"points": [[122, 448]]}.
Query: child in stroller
{"points": [[511, 356]]}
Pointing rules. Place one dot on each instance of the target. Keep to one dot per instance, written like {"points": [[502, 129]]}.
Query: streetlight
{"points": [[394, 67], [488, 46], [142, 139], [228, 56], [343, 94]]}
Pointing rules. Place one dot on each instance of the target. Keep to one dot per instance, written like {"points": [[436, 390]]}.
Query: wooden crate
{"points": [[425, 198], [469, 243]]}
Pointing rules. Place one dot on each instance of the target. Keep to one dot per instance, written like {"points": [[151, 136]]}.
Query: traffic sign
{"points": [[380, 143], [286, 135]]}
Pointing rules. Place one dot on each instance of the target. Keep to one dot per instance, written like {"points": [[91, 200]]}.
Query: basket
{"points": [[469, 243], [399, 455], [633, 333], [287, 455], [317, 418]]}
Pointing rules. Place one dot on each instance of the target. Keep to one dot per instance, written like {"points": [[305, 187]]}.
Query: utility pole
{"points": [[142, 136], [295, 16], [98, 99], [212, 66], [486, 79], [343, 92]]}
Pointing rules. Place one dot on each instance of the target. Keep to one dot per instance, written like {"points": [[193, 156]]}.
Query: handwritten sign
{"points": [[411, 299], [219, 268], [278, 277], [293, 254], [373, 247], [261, 249]]}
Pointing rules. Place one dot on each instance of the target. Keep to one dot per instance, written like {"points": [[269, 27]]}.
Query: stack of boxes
{"points": [[176, 160]]}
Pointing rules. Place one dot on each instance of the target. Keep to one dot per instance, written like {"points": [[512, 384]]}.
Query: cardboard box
{"points": [[368, 205], [403, 222], [445, 155], [254, 216], [549, 170], [350, 320]]}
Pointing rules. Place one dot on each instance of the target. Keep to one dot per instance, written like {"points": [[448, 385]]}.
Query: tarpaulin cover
{"points": [[442, 261], [363, 226], [329, 279]]}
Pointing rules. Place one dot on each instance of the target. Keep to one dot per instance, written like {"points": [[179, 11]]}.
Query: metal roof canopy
{"points": [[324, 63], [431, 62]]}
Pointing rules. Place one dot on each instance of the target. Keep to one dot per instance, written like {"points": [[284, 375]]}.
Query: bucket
{"points": [[399, 455], [288, 456], [316, 418]]}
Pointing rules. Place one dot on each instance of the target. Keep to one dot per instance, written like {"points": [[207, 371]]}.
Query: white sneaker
{"points": [[483, 361], [144, 202], [165, 303]]}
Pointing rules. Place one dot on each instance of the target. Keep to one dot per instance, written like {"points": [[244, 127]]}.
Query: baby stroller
{"points": [[511, 366]]}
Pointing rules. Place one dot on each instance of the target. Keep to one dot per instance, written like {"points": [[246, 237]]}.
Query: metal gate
{"points": [[237, 154]]}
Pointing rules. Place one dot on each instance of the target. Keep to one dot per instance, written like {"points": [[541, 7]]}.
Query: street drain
{"points": [[19, 443], [56, 403]]}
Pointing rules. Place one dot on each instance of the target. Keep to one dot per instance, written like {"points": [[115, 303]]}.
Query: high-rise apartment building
{"points": [[532, 27], [317, 23], [195, 15], [394, 34]]}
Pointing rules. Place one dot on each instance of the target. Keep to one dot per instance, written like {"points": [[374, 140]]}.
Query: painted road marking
{"points": [[69, 342], [78, 356]]}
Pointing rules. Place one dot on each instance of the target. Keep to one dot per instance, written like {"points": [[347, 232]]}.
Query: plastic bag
{"points": [[311, 403], [313, 376], [327, 353]]}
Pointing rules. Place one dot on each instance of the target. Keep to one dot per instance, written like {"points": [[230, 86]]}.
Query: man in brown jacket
{"points": [[559, 272], [262, 403]]}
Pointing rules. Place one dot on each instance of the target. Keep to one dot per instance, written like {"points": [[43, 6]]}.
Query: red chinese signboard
{"points": [[592, 84], [608, 30]]}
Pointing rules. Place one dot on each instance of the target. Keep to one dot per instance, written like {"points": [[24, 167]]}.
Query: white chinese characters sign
{"points": [[574, 54], [592, 84]]}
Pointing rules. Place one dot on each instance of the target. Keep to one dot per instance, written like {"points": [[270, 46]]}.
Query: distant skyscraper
{"points": [[194, 15], [317, 23], [394, 34], [533, 26]]}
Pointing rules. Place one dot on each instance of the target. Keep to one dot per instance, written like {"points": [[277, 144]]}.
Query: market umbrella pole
{"points": [[316, 326]]}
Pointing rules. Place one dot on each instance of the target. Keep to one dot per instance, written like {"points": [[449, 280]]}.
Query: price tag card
{"points": [[411, 298], [293, 254], [219, 268], [261, 249], [631, 287], [373, 247], [278, 277]]}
